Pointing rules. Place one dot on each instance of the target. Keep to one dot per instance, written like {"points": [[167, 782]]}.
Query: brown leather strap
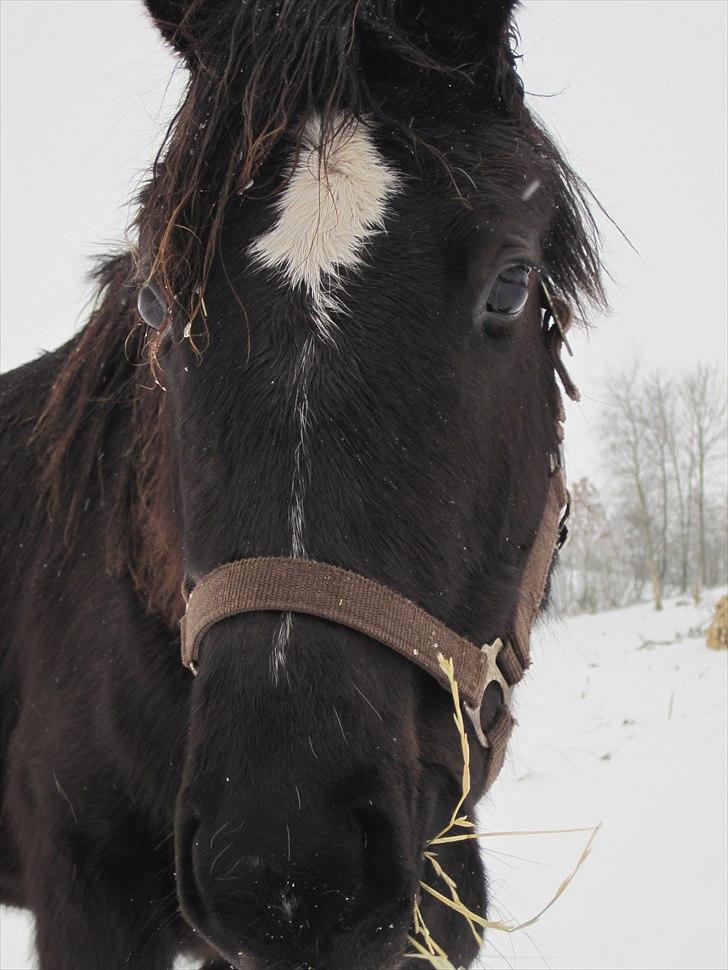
{"points": [[538, 565], [498, 736], [332, 593]]}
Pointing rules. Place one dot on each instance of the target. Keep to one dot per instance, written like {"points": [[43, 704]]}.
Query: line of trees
{"points": [[661, 524]]}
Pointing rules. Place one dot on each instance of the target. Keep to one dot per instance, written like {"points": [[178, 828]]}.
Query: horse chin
{"points": [[327, 957], [283, 945], [259, 918]]}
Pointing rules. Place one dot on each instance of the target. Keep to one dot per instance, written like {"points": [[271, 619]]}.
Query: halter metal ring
{"points": [[494, 676]]}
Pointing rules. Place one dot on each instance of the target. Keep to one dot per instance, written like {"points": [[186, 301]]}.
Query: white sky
{"points": [[636, 90]]}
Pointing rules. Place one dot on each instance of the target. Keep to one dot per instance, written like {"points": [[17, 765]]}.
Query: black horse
{"points": [[327, 344]]}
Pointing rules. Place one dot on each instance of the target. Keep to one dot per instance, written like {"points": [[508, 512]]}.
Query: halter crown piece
{"points": [[355, 601]]}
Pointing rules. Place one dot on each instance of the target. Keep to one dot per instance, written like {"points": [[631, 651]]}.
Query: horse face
{"points": [[382, 402], [369, 387]]}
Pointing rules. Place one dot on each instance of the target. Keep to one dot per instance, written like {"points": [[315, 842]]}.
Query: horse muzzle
{"points": [[345, 902], [295, 827]]}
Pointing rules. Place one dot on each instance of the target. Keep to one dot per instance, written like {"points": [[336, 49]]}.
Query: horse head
{"points": [[344, 249]]}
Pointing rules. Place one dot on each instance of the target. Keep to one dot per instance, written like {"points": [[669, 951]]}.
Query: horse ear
{"points": [[174, 19], [468, 32]]}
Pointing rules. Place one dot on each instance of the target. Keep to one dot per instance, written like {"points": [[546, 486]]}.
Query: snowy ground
{"points": [[623, 720], [632, 734]]}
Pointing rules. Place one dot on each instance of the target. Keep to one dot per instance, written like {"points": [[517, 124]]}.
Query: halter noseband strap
{"points": [[354, 601]]}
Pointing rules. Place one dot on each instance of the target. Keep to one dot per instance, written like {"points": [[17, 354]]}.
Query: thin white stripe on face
{"points": [[333, 203]]}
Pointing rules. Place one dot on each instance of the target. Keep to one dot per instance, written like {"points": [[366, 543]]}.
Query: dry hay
{"points": [[426, 948], [718, 629]]}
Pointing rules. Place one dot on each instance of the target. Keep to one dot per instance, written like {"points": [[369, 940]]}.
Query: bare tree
{"points": [[704, 401], [586, 560], [664, 523], [655, 401], [626, 435], [681, 455]]}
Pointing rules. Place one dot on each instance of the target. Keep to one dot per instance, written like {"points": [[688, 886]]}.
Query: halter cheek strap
{"points": [[355, 601]]}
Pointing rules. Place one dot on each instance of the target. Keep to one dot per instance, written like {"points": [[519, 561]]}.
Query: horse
{"points": [[325, 345]]}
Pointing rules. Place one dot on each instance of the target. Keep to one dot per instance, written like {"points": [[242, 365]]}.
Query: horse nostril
{"points": [[384, 877], [189, 882]]}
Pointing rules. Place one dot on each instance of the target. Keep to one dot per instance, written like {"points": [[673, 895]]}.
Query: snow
{"points": [[616, 730], [633, 735]]}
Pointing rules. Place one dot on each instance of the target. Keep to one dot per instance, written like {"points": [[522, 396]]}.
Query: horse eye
{"points": [[509, 293], [151, 306]]}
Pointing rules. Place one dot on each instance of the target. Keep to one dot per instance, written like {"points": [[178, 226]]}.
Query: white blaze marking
{"points": [[334, 201], [288, 905]]}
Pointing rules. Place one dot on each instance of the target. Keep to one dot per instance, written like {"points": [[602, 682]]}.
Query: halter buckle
{"points": [[494, 675]]}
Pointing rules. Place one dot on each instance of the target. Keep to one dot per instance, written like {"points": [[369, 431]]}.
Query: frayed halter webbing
{"points": [[353, 600]]}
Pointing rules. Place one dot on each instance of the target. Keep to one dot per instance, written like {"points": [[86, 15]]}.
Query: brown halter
{"points": [[352, 600]]}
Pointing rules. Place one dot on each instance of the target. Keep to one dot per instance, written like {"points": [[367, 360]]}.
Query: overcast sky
{"points": [[635, 89]]}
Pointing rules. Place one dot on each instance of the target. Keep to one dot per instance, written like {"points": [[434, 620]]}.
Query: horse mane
{"points": [[257, 72], [102, 431]]}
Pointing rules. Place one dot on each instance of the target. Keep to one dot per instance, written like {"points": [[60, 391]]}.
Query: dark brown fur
{"points": [[133, 462]]}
